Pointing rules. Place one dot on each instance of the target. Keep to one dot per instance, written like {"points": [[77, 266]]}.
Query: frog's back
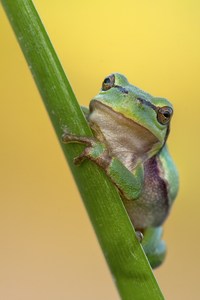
{"points": [[159, 191]]}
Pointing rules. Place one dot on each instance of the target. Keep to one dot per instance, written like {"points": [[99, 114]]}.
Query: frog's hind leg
{"points": [[154, 246]]}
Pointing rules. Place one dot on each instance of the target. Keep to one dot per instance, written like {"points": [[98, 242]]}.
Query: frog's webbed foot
{"points": [[94, 150], [154, 246], [71, 138]]}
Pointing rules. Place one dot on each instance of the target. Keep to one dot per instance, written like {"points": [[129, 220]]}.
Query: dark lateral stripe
{"points": [[148, 103], [155, 108], [153, 167], [164, 183], [121, 88]]}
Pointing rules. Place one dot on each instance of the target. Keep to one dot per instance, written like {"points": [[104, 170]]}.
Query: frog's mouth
{"points": [[127, 140]]}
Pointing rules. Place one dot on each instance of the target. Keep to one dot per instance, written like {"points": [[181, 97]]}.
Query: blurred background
{"points": [[48, 249]]}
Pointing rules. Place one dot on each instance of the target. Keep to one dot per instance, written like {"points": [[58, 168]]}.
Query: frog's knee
{"points": [[154, 246], [157, 255]]}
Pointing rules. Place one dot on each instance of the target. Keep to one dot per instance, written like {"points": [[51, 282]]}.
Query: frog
{"points": [[130, 129]]}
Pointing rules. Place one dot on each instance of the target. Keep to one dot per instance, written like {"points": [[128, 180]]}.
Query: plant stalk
{"points": [[129, 266]]}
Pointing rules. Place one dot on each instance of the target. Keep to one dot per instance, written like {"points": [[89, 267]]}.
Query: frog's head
{"points": [[120, 102]]}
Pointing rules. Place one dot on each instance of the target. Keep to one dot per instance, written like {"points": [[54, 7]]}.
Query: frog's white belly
{"points": [[125, 139]]}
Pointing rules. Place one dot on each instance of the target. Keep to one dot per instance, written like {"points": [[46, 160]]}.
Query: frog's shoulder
{"points": [[85, 111]]}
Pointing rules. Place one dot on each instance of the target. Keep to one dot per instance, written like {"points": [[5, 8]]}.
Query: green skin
{"points": [[130, 130]]}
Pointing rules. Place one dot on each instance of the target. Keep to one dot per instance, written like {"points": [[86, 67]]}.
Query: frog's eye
{"points": [[108, 82], [164, 114]]}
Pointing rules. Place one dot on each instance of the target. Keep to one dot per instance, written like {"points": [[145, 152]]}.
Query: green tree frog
{"points": [[130, 131]]}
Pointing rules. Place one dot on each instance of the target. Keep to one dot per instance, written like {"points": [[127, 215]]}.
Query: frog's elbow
{"points": [[130, 193]]}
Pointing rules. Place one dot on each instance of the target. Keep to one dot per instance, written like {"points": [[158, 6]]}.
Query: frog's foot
{"points": [[71, 138], [94, 150], [154, 247], [139, 235]]}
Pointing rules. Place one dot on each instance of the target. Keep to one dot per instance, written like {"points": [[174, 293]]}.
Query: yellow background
{"points": [[47, 247]]}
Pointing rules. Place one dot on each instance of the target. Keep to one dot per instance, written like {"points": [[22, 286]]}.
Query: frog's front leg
{"points": [[128, 184], [154, 246]]}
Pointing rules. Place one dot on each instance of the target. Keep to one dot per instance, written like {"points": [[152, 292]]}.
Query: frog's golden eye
{"points": [[164, 114], [108, 82]]}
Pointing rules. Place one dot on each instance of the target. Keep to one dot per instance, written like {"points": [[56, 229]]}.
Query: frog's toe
{"points": [[139, 236], [85, 154]]}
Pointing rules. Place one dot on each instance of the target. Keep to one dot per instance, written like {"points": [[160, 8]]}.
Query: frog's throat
{"points": [[127, 140]]}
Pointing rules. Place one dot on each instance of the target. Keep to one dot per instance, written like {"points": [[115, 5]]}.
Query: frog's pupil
{"points": [[167, 114], [107, 80]]}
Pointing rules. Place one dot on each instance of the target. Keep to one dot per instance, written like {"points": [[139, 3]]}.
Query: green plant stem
{"points": [[129, 266]]}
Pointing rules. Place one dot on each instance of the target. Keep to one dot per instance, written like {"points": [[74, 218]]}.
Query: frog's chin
{"points": [[127, 140]]}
